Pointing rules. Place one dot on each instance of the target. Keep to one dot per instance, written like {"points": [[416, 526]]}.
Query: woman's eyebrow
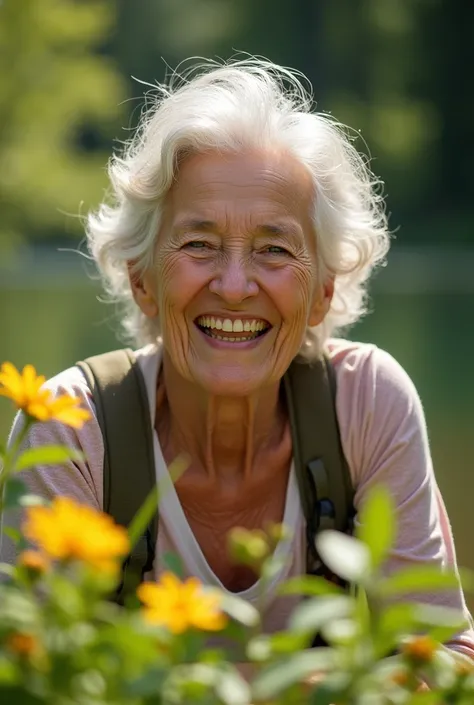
{"points": [[280, 229], [196, 225], [273, 229]]}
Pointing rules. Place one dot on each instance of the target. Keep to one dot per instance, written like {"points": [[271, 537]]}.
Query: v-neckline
{"points": [[172, 514]]}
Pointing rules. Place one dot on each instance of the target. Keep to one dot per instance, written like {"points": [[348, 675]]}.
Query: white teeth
{"points": [[230, 340], [229, 326]]}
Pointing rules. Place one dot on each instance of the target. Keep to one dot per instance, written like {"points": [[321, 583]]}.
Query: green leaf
{"points": [[259, 648], [143, 517], [7, 569], [333, 689], [271, 567], [232, 689], [377, 524], [173, 563], [263, 647], [397, 618], [47, 455], [439, 616], [416, 579], [240, 610], [311, 585], [145, 514], [149, 683], [288, 642], [427, 698], [344, 555], [32, 500], [13, 534], [340, 632], [15, 490], [293, 669], [309, 616]]}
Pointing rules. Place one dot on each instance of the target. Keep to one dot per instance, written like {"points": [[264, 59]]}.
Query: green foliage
{"points": [[47, 455], [54, 87], [63, 642]]}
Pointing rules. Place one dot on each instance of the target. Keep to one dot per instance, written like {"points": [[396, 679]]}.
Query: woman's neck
{"points": [[224, 435]]}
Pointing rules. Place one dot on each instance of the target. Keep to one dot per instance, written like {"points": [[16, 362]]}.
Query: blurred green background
{"points": [[398, 71]]}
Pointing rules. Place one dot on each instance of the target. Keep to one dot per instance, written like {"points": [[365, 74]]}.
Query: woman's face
{"points": [[234, 281]]}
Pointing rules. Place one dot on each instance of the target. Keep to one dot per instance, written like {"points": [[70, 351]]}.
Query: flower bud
{"points": [[34, 562], [248, 547], [420, 649]]}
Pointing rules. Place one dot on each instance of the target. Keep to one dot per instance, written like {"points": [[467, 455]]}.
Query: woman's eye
{"points": [[276, 250], [196, 244]]}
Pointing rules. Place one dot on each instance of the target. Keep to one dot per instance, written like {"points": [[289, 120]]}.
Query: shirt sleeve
{"points": [[79, 480], [386, 442]]}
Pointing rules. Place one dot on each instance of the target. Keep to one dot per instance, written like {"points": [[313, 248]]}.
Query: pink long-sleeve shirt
{"points": [[384, 438]]}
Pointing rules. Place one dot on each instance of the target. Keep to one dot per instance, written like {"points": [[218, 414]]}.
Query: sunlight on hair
{"points": [[235, 106]]}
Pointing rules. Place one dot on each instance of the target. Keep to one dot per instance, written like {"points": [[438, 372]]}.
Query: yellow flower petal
{"points": [[66, 530], [72, 417], [27, 393], [31, 381], [10, 381], [146, 593], [179, 606], [38, 410]]}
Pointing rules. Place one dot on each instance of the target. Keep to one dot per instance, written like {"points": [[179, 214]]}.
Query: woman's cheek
{"points": [[297, 294], [172, 280]]}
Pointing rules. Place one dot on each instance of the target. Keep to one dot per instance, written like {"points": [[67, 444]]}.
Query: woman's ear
{"points": [[322, 302], [143, 290]]}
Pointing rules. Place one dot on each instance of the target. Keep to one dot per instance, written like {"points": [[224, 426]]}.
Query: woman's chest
{"points": [[212, 513]]}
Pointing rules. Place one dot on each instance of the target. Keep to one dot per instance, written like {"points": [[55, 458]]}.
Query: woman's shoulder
{"points": [[72, 380], [365, 365], [378, 406]]}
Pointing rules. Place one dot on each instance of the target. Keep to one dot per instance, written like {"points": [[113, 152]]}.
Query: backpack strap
{"points": [[122, 408], [321, 469]]}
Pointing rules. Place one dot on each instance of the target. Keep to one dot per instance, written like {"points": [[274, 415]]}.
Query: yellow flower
{"points": [[420, 649], [25, 390], [22, 644], [34, 561], [66, 531], [179, 606]]}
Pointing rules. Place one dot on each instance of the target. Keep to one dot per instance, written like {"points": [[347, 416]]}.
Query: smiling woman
{"points": [[241, 238]]}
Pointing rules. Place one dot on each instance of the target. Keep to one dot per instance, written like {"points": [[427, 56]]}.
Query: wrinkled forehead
{"points": [[273, 186]]}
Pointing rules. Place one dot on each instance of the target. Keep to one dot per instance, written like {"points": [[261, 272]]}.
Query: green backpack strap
{"points": [[321, 469], [122, 408]]}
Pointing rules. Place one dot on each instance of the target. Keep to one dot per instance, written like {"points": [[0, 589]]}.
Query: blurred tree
{"points": [[157, 34], [59, 99], [395, 70]]}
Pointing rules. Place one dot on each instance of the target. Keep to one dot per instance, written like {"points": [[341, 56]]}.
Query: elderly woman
{"points": [[242, 234]]}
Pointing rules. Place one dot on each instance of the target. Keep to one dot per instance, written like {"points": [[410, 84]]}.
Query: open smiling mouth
{"points": [[232, 331]]}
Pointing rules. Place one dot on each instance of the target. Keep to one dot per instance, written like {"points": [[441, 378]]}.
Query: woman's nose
{"points": [[233, 282]]}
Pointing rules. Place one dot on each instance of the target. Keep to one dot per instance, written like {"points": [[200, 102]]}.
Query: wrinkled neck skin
{"points": [[226, 436]]}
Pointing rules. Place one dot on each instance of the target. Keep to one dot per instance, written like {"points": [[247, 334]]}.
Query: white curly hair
{"points": [[243, 104]]}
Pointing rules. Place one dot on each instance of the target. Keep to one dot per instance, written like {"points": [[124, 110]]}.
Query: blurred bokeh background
{"points": [[398, 71]]}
